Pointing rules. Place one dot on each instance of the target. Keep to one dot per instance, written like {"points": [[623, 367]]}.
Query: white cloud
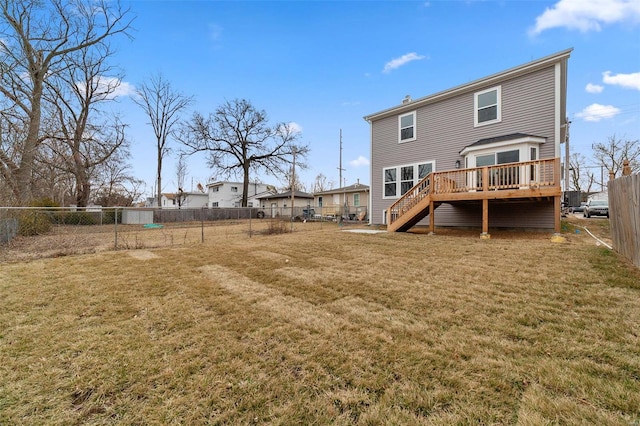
{"points": [[111, 87], [215, 32], [290, 128], [295, 127], [402, 60], [597, 112], [124, 89], [359, 162], [587, 15], [594, 88], [628, 81]]}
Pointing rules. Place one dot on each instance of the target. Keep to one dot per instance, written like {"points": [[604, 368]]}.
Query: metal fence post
{"points": [[115, 227]]}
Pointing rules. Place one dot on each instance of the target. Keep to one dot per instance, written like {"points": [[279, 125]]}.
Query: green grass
{"points": [[325, 327]]}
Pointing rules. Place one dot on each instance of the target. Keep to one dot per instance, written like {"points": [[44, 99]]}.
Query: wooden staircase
{"points": [[411, 208]]}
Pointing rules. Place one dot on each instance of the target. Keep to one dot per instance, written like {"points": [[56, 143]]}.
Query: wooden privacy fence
{"points": [[624, 214]]}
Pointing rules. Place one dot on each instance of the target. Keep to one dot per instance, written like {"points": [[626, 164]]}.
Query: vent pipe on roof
{"points": [[406, 99]]}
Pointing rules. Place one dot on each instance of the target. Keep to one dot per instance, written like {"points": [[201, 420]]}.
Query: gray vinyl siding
{"points": [[444, 128]]}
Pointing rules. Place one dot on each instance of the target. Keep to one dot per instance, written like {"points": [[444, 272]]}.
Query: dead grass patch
{"points": [[353, 329]]}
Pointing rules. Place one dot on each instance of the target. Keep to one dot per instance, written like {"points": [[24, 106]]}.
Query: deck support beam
{"points": [[557, 208], [432, 217], [485, 216]]}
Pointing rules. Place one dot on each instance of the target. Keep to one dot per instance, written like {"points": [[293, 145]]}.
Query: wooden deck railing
{"points": [[522, 175]]}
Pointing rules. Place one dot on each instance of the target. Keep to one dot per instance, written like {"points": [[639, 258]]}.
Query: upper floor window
{"points": [[234, 189], [488, 106], [407, 126], [215, 189], [319, 201]]}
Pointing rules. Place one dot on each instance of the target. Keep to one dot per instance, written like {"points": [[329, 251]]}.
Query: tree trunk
{"points": [[25, 170], [159, 182], [245, 183], [83, 188]]}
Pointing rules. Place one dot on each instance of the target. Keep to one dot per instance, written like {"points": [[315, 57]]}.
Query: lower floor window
{"points": [[400, 179]]}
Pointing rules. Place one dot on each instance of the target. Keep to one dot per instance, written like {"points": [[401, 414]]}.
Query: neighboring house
{"points": [[602, 195], [194, 200], [353, 200], [274, 205], [189, 200], [485, 153], [229, 194], [167, 200]]}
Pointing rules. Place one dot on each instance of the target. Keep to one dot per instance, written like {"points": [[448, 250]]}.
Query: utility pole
{"points": [[293, 183], [340, 169]]}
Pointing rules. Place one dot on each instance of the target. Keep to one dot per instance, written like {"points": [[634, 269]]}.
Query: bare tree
{"points": [[321, 184], [163, 105], [581, 178], [611, 154], [12, 136], [74, 95], [50, 179], [239, 140], [35, 37], [292, 181], [115, 185], [181, 174]]}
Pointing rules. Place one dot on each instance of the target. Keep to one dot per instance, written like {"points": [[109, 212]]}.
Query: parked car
{"points": [[596, 208], [578, 209]]}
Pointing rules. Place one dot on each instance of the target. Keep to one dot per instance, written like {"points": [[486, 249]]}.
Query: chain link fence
{"points": [[31, 233]]}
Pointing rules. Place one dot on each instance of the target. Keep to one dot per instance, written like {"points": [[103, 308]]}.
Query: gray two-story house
{"points": [[483, 154]]}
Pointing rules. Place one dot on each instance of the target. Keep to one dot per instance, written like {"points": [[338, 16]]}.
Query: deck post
{"points": [[485, 178], [485, 219], [557, 207], [432, 217]]}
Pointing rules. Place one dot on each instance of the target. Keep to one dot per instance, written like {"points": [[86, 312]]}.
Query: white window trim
{"points": [[399, 181], [523, 148], [384, 182], [415, 127], [498, 118]]}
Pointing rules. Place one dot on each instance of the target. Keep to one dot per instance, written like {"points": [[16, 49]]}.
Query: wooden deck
{"points": [[529, 180]]}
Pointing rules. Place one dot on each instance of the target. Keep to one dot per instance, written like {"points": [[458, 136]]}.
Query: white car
{"points": [[596, 208]]}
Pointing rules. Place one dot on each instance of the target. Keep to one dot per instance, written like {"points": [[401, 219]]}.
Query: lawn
{"points": [[326, 327]]}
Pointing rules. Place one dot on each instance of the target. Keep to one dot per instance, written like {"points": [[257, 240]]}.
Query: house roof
{"points": [[496, 140], [503, 138], [356, 187], [287, 194], [410, 105], [227, 182]]}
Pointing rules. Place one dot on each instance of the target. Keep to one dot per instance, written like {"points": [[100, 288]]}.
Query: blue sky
{"points": [[323, 65]]}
